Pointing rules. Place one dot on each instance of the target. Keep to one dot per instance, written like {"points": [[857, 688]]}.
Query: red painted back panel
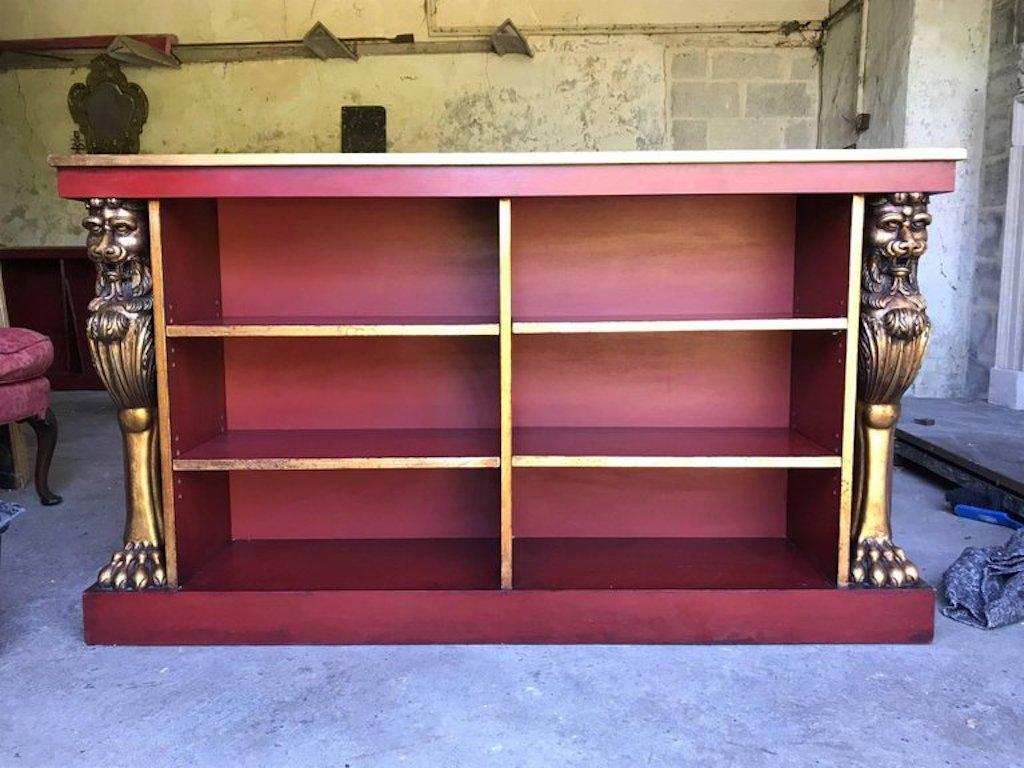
{"points": [[609, 257], [819, 365], [190, 244], [202, 519], [195, 378], [692, 503], [371, 504], [361, 383], [359, 257], [738, 379], [813, 520], [822, 255]]}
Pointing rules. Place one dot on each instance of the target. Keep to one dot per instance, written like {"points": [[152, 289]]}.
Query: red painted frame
{"points": [[246, 579], [528, 616], [505, 181]]}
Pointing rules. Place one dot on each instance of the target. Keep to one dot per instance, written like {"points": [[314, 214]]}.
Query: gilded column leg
{"points": [[893, 337], [120, 334]]}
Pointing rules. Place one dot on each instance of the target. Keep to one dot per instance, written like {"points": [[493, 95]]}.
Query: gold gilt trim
{"points": [[505, 394], [850, 390], [163, 392]]}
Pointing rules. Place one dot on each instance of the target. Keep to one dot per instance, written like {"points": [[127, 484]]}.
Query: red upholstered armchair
{"points": [[25, 393]]}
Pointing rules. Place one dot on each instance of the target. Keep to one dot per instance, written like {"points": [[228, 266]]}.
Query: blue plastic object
{"points": [[994, 516]]}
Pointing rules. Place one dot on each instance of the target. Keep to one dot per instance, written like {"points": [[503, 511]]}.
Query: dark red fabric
{"points": [[24, 354], [23, 399]]}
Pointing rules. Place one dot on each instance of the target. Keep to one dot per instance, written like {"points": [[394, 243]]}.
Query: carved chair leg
{"points": [[46, 439]]}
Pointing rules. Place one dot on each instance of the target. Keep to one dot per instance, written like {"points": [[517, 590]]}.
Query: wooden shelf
{"points": [[344, 449], [335, 326], [542, 564], [344, 564], [675, 324], [667, 447], [697, 563]]}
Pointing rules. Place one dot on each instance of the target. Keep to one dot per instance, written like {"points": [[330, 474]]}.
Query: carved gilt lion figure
{"points": [[117, 243], [893, 338]]}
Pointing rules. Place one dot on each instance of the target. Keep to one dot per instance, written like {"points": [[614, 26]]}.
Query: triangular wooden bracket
{"points": [[508, 39], [325, 45], [128, 50]]}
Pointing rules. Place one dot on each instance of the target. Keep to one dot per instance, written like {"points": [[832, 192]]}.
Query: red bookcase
{"points": [[500, 401]]}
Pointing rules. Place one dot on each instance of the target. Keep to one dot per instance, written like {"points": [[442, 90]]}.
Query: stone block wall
{"points": [[743, 98]]}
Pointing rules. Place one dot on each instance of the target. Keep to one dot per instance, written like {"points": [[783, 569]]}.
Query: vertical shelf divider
{"points": [[850, 388], [156, 259], [505, 352]]}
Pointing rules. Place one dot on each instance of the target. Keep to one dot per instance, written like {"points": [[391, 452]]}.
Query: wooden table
{"points": [[508, 398]]}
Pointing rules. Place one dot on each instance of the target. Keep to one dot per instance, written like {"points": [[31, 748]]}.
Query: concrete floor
{"points": [[958, 702]]}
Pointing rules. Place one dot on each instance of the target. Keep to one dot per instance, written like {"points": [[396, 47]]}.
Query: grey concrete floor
{"points": [[958, 702]]}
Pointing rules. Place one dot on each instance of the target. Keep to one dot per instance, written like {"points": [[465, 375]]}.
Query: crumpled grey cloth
{"points": [[985, 586], [8, 511]]}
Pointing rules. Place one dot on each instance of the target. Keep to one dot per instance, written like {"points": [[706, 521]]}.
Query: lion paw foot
{"points": [[139, 565], [880, 563]]}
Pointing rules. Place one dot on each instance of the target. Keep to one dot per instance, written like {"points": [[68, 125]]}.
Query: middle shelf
{"points": [[344, 449], [667, 447], [532, 447], [362, 325], [359, 326]]}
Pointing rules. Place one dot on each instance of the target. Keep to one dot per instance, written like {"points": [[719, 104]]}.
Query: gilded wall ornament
{"points": [[120, 334], [893, 338], [109, 111]]}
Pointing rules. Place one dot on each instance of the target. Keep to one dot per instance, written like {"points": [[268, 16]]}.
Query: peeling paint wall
{"points": [[580, 92]]}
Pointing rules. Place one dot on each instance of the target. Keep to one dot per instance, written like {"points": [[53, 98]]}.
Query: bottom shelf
{"points": [[543, 564], [343, 564], [663, 563]]}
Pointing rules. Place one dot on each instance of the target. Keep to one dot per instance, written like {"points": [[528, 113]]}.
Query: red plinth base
{"points": [[520, 616]]}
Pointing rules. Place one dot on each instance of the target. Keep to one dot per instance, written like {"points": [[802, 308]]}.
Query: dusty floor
{"points": [[957, 702]]}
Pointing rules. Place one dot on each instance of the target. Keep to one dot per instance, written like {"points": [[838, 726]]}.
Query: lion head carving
{"points": [[896, 236], [118, 244]]}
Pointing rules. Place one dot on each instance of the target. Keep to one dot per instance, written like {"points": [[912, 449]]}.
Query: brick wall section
{"points": [[743, 98], [1002, 87]]}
